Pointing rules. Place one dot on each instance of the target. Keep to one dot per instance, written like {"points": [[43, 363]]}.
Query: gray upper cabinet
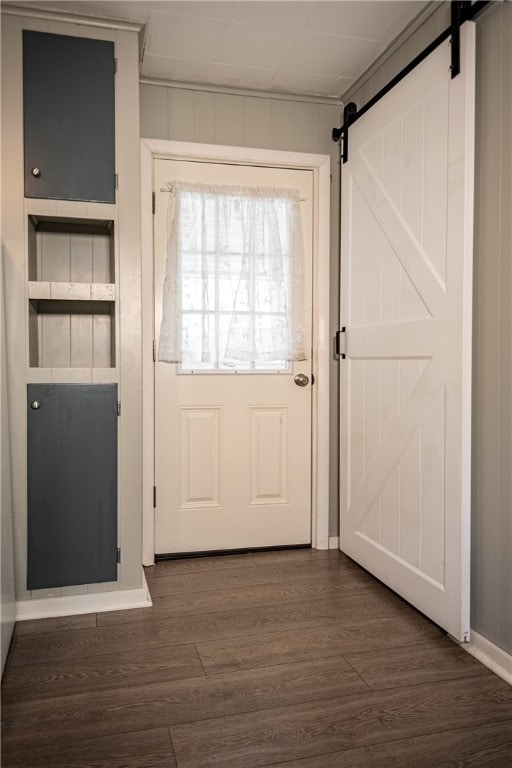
{"points": [[68, 117]]}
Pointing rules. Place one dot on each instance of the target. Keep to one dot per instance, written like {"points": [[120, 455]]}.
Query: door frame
{"points": [[320, 165]]}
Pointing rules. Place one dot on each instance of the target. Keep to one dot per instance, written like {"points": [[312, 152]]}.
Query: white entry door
{"points": [[406, 304], [232, 447]]}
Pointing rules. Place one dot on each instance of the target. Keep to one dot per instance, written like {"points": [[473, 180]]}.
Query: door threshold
{"points": [[227, 552]]}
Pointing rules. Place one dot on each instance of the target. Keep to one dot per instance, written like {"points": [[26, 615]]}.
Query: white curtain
{"points": [[234, 283]]}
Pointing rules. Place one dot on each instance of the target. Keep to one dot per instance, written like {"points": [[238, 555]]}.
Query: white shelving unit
{"points": [[73, 302], [72, 266]]}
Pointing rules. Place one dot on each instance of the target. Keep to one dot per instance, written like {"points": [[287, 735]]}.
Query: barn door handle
{"points": [[341, 347]]}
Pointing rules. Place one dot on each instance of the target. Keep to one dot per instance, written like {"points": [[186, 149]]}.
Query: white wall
{"points": [[183, 114], [7, 553], [491, 585]]}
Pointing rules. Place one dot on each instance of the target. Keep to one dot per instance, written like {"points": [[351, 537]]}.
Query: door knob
{"points": [[36, 172], [35, 405], [301, 380]]}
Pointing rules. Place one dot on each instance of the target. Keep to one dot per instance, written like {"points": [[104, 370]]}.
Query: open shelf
{"points": [[70, 250], [71, 334], [71, 293]]}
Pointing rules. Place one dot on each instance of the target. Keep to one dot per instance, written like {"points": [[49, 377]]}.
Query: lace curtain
{"points": [[234, 283]]}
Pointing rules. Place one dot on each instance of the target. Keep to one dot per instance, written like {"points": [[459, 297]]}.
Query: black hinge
{"points": [[119, 554], [154, 350], [115, 66], [459, 14], [349, 114], [154, 497], [340, 343], [455, 39], [116, 180], [153, 202], [341, 134], [118, 407]]}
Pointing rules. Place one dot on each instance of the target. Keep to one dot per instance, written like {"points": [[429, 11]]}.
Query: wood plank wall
{"points": [[491, 607], [7, 598], [491, 569], [180, 114]]}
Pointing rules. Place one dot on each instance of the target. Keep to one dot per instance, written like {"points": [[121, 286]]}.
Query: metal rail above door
{"points": [[460, 12]]}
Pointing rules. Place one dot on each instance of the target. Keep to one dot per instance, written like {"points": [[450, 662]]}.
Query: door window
{"points": [[233, 296]]}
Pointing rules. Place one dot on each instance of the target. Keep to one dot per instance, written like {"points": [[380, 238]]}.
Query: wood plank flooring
{"points": [[295, 659]]}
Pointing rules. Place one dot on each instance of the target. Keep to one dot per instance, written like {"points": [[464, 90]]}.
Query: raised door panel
{"points": [[200, 457], [68, 117], [269, 455], [72, 484]]}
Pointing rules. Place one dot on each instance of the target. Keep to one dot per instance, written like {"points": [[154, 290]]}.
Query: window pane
{"points": [[198, 334], [235, 267], [197, 281], [271, 336], [234, 283], [271, 284], [236, 335]]}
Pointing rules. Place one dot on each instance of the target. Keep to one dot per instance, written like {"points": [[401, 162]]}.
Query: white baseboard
{"points": [[71, 605], [498, 660], [334, 542]]}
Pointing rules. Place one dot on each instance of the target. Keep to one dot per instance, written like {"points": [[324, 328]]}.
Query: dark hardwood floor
{"points": [[297, 659]]}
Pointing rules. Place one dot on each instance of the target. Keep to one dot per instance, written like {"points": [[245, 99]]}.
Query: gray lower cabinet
{"points": [[72, 484]]}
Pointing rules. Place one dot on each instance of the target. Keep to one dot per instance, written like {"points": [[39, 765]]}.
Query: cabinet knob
{"points": [[36, 172], [35, 405]]}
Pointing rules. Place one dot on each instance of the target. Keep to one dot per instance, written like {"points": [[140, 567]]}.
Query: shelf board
{"points": [[72, 375], [39, 289], [70, 209]]}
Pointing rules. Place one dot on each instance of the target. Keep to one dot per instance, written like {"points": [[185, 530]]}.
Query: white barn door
{"points": [[407, 207]]}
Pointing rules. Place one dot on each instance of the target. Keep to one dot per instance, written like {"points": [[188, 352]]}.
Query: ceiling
{"points": [[316, 48]]}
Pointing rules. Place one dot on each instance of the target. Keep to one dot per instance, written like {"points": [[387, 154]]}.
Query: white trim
{"points": [[334, 542], [90, 21], [468, 34], [320, 165], [495, 658], [71, 605], [238, 91]]}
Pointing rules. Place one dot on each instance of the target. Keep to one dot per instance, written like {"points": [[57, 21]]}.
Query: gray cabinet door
{"points": [[68, 117], [72, 484]]}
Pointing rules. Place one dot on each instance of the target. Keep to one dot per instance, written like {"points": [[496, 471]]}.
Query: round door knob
{"points": [[35, 405], [301, 380], [36, 172]]}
